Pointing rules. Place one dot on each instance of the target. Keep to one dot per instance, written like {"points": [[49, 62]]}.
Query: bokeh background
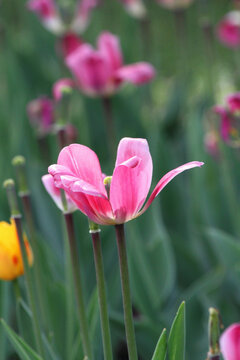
{"points": [[186, 246]]}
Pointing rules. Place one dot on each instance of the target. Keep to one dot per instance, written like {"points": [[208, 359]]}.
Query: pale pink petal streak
{"points": [[139, 73], [166, 179]]}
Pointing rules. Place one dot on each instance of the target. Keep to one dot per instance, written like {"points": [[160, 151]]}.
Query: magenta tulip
{"points": [[41, 114], [230, 342], [55, 194], [228, 29], [174, 4], [50, 15], [229, 117], [135, 8], [101, 72], [78, 172]]}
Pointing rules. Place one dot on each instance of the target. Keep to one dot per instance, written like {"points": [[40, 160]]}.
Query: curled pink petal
{"points": [[230, 342], [166, 179], [83, 12], [55, 194], [108, 44], [43, 8], [41, 114], [138, 74], [61, 86], [130, 184], [233, 102]]}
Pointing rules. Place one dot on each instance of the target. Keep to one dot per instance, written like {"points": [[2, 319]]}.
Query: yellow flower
{"points": [[11, 263]]}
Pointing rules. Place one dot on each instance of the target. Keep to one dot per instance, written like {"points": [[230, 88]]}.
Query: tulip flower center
{"points": [[107, 182]]}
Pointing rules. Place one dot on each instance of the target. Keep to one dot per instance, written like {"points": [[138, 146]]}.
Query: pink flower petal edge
{"points": [[230, 342]]}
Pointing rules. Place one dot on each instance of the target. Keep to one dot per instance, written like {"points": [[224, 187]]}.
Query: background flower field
{"points": [[186, 246]]}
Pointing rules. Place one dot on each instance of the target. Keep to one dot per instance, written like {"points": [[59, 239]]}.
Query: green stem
{"points": [[78, 285], [18, 297], [102, 297], [110, 130], [30, 293], [127, 303]]}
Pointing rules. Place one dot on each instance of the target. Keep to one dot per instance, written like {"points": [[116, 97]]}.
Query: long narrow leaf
{"points": [[177, 337], [161, 348]]}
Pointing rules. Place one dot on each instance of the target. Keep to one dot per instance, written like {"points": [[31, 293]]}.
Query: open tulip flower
{"points": [[135, 8], [41, 115], [50, 15], [175, 4], [228, 29], [56, 195], [230, 119], [11, 263], [78, 172], [101, 72], [230, 343]]}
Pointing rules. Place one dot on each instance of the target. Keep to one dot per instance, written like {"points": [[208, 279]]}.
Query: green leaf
{"points": [[176, 342], [22, 348], [161, 348]]}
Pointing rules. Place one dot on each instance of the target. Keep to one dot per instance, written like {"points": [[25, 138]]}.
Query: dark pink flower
{"points": [[135, 8], [62, 86], [41, 114], [228, 29], [101, 72], [69, 43], [78, 172], [230, 343], [55, 194], [174, 4]]}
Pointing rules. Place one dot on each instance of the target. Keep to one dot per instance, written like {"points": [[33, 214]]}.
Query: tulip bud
{"points": [[19, 163]]}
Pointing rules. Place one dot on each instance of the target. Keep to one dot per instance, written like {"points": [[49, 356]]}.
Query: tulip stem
{"points": [[107, 106], [62, 137], [18, 297], [36, 324], [127, 303], [78, 285], [102, 297]]}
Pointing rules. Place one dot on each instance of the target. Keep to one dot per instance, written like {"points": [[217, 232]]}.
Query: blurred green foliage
{"points": [[186, 246]]}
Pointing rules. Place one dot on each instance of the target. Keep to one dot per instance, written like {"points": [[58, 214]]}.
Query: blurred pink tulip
{"points": [[55, 194], [229, 116], [78, 172], [50, 14], [228, 29], [68, 43], [230, 343], [174, 4], [62, 86], [135, 8], [101, 72], [211, 144], [41, 114]]}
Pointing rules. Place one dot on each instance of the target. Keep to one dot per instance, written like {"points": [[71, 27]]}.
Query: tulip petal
{"points": [[230, 342], [137, 74], [61, 86], [108, 45], [91, 69], [131, 178], [166, 179]]}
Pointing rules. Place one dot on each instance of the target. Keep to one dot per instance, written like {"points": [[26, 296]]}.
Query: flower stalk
{"points": [[126, 294], [9, 185], [78, 285], [214, 334], [110, 130], [102, 296]]}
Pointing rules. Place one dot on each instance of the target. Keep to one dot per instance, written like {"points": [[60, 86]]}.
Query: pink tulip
{"points": [[211, 143], [101, 72], [228, 29], [229, 116], [78, 172], [41, 114], [48, 13], [55, 194], [230, 343], [62, 86], [69, 43], [135, 8], [175, 4]]}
